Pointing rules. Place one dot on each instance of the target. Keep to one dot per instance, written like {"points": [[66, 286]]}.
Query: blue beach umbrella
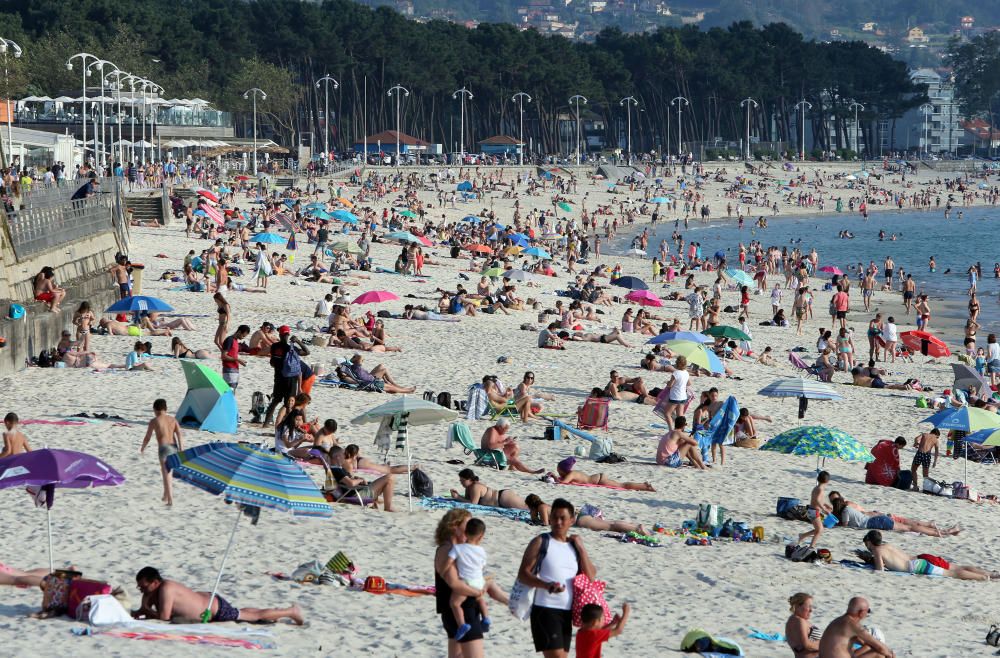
{"points": [[268, 238], [138, 303], [798, 387], [471, 218], [537, 252], [201, 213], [345, 216], [403, 236], [965, 419], [825, 442], [464, 186], [321, 214], [739, 276], [690, 336]]}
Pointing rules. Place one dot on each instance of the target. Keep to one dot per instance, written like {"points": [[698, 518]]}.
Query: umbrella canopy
{"points": [[821, 442], [345, 216], [518, 275], [798, 387], [464, 186], [987, 437], [513, 251], [471, 218], [726, 331], [830, 269], [697, 354], [630, 282], [966, 419], [268, 238], [926, 343], [565, 206], [493, 272], [375, 297], [321, 214], [688, 336], [520, 240], [537, 252], [345, 202], [208, 194], [402, 236], [408, 213], [421, 412], [478, 248], [739, 276], [661, 199], [138, 303], [644, 298], [968, 377], [346, 246], [50, 468]]}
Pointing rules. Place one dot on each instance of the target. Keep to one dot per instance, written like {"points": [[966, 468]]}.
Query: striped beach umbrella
{"points": [[799, 387], [690, 336], [825, 442]]}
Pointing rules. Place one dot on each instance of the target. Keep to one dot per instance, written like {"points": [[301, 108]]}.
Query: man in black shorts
{"points": [[284, 387]]}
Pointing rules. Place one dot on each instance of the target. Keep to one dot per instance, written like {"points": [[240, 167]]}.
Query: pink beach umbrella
{"points": [[830, 269], [644, 298], [375, 297]]}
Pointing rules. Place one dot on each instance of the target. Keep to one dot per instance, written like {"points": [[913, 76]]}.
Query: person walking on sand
{"points": [[816, 509], [924, 443], [844, 632], [168, 440], [14, 441]]}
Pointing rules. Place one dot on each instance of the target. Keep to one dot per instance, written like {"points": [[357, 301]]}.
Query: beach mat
{"points": [[441, 503]]}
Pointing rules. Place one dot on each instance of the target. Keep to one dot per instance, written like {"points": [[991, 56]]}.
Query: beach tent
{"points": [[209, 404]]}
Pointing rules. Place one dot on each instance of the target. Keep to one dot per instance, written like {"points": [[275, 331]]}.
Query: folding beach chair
{"points": [[594, 414], [796, 361], [460, 432], [507, 411], [339, 493]]}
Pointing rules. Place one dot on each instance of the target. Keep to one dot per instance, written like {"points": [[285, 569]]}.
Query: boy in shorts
{"points": [[168, 438], [593, 634], [470, 559], [816, 509]]}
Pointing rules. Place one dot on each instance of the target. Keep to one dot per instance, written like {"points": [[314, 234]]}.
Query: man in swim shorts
{"points": [[169, 600], [168, 440], [925, 443], [890, 558]]}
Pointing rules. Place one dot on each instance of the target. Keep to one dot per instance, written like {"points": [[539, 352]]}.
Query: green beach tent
{"points": [[210, 403]]}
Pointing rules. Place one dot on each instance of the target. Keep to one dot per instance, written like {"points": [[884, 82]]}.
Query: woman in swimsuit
{"points": [[527, 401], [378, 339], [479, 494], [540, 516], [628, 324], [83, 319], [803, 637], [182, 351], [874, 331], [973, 307], [177, 323], [568, 476], [24, 579], [224, 313], [845, 348], [354, 461]]}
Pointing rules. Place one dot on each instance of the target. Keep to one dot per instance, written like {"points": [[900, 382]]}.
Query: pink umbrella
{"points": [[425, 241], [644, 298], [830, 269], [375, 297]]}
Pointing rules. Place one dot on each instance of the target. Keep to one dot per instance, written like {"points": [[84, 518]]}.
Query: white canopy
{"points": [[36, 99]]}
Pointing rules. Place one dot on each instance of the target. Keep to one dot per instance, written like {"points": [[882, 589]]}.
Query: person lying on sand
{"points": [[478, 493], [169, 600], [568, 476], [586, 517], [864, 381], [890, 558], [853, 515], [614, 337]]}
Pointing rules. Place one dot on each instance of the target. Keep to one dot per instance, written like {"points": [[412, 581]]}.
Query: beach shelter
{"points": [[968, 377], [644, 298], [630, 282], [209, 404]]}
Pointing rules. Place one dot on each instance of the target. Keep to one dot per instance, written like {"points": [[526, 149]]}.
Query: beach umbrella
{"points": [[644, 298], [830, 269], [661, 199], [241, 177], [513, 251], [402, 236], [689, 336], [803, 389], [965, 419], [464, 186], [630, 282], [406, 411], [316, 204], [537, 252], [208, 194], [408, 213], [926, 343], [345, 202], [200, 213], [726, 331], [250, 478], [518, 275], [825, 442], [345, 216], [968, 377], [138, 303], [209, 403], [346, 246], [424, 240], [224, 190], [471, 218], [478, 248], [520, 239], [321, 214], [739, 276], [48, 469], [268, 238], [375, 297], [697, 354], [565, 206], [493, 272]]}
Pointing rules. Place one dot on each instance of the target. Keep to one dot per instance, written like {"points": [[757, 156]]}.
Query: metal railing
{"points": [[38, 229]]}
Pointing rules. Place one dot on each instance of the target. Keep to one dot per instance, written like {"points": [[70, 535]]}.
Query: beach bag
{"points": [[588, 592], [601, 447], [965, 492], [758, 533], [993, 636], [522, 597], [785, 504], [103, 610], [56, 590], [710, 516], [292, 365], [904, 480], [932, 487], [81, 588], [801, 553], [420, 484], [444, 400], [342, 564], [698, 641]]}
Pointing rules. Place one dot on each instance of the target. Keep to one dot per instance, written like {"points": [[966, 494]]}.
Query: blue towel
{"points": [[439, 502], [770, 637]]}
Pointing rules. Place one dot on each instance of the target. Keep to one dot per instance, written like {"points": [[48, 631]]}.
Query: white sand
{"points": [[725, 589]]}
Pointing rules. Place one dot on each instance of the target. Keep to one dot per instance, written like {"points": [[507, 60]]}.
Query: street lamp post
{"points": [[628, 102], [679, 101], [927, 109], [805, 105], [120, 78], [749, 103], [463, 93], [148, 118], [406, 92], [99, 65], [519, 99], [857, 143], [86, 71], [578, 98], [252, 92], [6, 45], [326, 119]]}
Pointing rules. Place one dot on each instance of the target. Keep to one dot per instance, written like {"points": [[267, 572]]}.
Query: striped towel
{"points": [[400, 426]]}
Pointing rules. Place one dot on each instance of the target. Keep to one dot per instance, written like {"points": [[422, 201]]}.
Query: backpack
{"points": [[601, 447], [444, 399], [292, 365], [420, 484], [45, 359]]}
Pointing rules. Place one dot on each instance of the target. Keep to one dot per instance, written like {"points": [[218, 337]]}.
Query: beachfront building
{"points": [[934, 131], [501, 145]]}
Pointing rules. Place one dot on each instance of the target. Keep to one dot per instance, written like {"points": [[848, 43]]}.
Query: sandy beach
{"points": [[725, 589]]}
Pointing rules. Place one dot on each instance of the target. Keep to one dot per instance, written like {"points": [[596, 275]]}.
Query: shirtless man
{"points": [[119, 274], [925, 443], [14, 441], [677, 445], [909, 289], [113, 327], [168, 440], [262, 339], [169, 600], [495, 438], [621, 388], [890, 558], [843, 632], [614, 337]]}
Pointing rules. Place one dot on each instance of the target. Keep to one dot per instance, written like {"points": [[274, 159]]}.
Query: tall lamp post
{"points": [[463, 93], [628, 102], [857, 143], [927, 109], [578, 98], [120, 78], [132, 80], [8, 46], [253, 92], [749, 103], [805, 105], [326, 119], [86, 72], [679, 101], [148, 85], [100, 65], [399, 89], [519, 98]]}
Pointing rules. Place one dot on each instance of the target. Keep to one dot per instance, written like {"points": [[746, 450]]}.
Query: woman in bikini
{"points": [[354, 461], [224, 314], [527, 400], [182, 351], [874, 332], [845, 348], [587, 517], [378, 338], [177, 323], [568, 476], [803, 636], [83, 320], [479, 494]]}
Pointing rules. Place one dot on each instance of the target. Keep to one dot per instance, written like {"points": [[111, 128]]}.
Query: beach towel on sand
{"points": [[440, 503], [246, 638], [587, 484]]}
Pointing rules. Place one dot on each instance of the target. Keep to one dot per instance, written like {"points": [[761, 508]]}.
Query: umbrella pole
{"points": [[966, 463], [48, 527], [409, 478], [207, 615]]}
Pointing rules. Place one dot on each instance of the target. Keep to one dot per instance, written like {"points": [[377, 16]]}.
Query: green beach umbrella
{"points": [[697, 354], [565, 206], [726, 331], [346, 246], [825, 442], [408, 213], [493, 272]]}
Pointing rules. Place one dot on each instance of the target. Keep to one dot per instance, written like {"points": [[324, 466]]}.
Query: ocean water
{"points": [[955, 244]]}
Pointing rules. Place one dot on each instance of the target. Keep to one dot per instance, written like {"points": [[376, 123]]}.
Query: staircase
{"points": [[284, 182], [146, 208]]}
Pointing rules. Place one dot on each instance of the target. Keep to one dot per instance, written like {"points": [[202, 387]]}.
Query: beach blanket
{"points": [[854, 564], [441, 503], [42, 421], [720, 428], [244, 638], [587, 484]]}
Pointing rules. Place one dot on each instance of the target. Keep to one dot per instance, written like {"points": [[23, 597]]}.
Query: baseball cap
{"points": [[284, 329]]}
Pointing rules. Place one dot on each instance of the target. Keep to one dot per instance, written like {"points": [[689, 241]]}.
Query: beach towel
{"points": [[854, 564], [719, 429], [441, 503], [42, 421], [245, 638], [478, 404], [587, 484]]}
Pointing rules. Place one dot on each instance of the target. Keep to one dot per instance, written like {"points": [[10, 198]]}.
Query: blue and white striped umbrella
{"points": [[798, 387]]}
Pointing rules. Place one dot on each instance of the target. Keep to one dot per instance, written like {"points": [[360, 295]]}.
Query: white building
{"points": [[934, 129]]}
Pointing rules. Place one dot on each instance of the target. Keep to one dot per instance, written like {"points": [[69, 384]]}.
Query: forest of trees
{"points": [[216, 49]]}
